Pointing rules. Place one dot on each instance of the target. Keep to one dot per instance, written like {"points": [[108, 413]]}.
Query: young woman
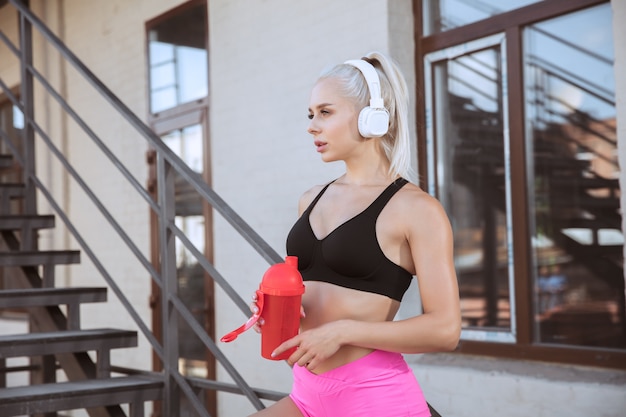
{"points": [[359, 242]]}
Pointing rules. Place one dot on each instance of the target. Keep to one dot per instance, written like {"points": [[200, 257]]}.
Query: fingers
{"points": [[307, 361], [285, 346], [254, 308]]}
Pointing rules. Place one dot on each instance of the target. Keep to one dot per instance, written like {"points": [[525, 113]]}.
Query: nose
{"points": [[313, 127]]}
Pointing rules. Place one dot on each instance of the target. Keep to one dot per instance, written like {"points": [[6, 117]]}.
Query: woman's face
{"points": [[333, 122]]}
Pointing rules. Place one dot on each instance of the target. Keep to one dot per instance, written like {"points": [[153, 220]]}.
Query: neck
{"points": [[369, 169]]}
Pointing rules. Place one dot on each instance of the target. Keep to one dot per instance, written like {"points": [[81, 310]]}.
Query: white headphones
{"points": [[374, 119]]}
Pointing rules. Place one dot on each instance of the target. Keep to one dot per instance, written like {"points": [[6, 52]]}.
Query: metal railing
{"points": [[169, 166]]}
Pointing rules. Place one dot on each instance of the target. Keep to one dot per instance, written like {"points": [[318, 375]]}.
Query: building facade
{"points": [[518, 113]]}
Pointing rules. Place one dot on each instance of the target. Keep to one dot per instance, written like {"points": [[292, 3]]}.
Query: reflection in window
{"points": [[573, 181], [472, 173], [11, 123], [178, 59], [187, 143], [442, 15], [191, 284]]}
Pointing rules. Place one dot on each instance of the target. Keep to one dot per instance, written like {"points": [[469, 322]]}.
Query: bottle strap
{"points": [[251, 321]]}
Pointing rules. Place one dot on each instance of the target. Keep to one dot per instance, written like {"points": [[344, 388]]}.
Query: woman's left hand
{"points": [[313, 346]]}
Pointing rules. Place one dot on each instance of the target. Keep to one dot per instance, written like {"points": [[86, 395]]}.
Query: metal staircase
{"points": [[59, 339], [56, 341]]}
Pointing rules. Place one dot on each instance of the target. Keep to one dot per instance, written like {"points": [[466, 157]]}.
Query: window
{"points": [[178, 93], [577, 241], [442, 15], [521, 149], [178, 59]]}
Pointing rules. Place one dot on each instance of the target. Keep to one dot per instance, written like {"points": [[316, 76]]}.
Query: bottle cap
{"points": [[283, 279]]}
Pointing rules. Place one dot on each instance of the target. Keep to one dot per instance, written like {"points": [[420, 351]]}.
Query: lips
{"points": [[320, 146]]}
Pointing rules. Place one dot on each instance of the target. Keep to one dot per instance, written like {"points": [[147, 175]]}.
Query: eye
{"points": [[310, 116], [324, 111]]}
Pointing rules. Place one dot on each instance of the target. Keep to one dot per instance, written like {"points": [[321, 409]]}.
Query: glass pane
{"points": [[191, 286], [162, 76], [178, 59], [187, 144], [163, 99], [11, 123], [442, 15], [191, 85], [574, 189], [472, 171], [160, 52]]}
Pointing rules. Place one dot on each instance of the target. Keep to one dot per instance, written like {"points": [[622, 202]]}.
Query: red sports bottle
{"points": [[279, 299]]}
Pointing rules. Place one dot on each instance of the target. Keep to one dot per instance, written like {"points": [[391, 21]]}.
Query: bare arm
{"points": [[430, 239]]}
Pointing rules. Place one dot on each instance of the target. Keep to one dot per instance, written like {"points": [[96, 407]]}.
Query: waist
{"points": [[367, 362], [345, 356]]}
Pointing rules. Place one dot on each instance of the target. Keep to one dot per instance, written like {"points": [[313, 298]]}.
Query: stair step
{"points": [[49, 343], [12, 189], [35, 258], [6, 161], [17, 401], [18, 222], [34, 297]]}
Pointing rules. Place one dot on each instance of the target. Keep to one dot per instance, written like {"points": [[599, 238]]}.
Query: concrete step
{"points": [[45, 398], [69, 341], [37, 297]]}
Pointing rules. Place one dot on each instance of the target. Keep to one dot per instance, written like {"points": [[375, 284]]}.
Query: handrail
{"points": [[174, 163], [563, 74], [177, 163]]}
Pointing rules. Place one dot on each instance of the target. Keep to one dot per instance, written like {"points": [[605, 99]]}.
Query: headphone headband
{"points": [[373, 82], [373, 121]]}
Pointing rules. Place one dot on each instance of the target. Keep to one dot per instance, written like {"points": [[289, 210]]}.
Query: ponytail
{"points": [[397, 142]]}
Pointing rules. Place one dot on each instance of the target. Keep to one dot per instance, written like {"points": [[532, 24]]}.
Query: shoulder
{"points": [[418, 209], [308, 196]]}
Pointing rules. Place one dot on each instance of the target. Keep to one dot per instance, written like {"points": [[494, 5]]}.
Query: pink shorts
{"points": [[379, 384]]}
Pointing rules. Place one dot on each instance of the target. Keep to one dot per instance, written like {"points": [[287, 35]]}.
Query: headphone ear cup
{"points": [[373, 123]]}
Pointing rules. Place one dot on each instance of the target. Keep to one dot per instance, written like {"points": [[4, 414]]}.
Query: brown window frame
{"points": [[179, 116], [511, 24]]}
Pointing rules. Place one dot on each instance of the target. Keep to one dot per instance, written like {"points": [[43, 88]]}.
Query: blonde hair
{"points": [[394, 91]]}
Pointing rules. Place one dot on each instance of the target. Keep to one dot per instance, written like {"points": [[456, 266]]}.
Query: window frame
{"points": [[511, 24], [161, 122]]}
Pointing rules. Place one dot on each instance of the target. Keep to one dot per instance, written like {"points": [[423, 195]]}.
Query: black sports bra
{"points": [[350, 255]]}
